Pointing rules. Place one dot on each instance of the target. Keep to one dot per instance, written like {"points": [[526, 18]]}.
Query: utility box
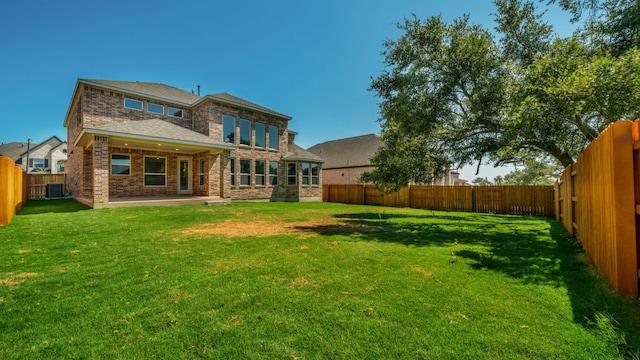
{"points": [[53, 191]]}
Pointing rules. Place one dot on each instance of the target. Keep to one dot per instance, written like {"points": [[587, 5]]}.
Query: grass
{"points": [[301, 281]]}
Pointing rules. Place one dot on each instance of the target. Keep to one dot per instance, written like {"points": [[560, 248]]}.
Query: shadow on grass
{"points": [[533, 250], [34, 207]]}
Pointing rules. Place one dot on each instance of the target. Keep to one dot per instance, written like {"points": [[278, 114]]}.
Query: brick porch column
{"points": [[225, 174], [100, 170]]}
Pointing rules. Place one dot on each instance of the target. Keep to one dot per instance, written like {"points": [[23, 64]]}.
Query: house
{"points": [[138, 140], [346, 159], [50, 156]]}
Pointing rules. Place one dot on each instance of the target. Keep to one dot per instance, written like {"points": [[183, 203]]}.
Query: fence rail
{"points": [[513, 200], [595, 203]]}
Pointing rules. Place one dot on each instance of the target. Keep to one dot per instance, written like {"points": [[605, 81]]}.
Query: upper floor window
{"points": [[120, 164], [245, 132], [133, 104], [228, 129], [175, 112], [155, 108], [273, 137], [260, 135]]}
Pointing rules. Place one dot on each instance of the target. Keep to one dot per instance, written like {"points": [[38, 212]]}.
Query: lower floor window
{"points": [[245, 172], [315, 174], [233, 172], [201, 171], [292, 173], [260, 172], [273, 173], [155, 171], [305, 174]]}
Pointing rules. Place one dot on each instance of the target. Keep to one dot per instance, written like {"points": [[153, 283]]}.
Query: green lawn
{"points": [[301, 281]]}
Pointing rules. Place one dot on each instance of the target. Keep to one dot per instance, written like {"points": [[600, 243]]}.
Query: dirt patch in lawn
{"points": [[15, 279], [260, 228]]}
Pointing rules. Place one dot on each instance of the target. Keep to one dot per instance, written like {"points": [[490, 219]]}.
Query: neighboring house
{"points": [[139, 139], [50, 156], [346, 159]]}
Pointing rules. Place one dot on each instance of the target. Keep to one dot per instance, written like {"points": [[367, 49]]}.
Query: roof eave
{"points": [[102, 132], [136, 93]]}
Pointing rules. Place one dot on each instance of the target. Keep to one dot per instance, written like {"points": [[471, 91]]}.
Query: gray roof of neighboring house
{"points": [[157, 129], [349, 152], [296, 153], [14, 149], [175, 95], [156, 90]]}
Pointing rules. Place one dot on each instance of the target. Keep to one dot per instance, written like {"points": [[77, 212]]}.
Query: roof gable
{"points": [[53, 141], [349, 152], [236, 101]]}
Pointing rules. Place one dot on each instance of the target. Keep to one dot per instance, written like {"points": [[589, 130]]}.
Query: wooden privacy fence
{"points": [[598, 202], [13, 192], [38, 184], [512, 200]]}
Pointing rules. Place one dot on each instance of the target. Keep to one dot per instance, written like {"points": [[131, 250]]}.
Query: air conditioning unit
{"points": [[53, 191]]}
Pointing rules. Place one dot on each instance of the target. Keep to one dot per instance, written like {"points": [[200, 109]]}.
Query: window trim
{"points": [[247, 175], [111, 164], [169, 112], [135, 101], [32, 163], [145, 173], [155, 112]]}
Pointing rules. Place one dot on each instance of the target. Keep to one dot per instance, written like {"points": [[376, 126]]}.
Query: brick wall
{"points": [[344, 175]]}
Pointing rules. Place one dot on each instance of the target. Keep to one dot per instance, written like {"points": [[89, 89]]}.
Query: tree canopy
{"points": [[457, 93]]}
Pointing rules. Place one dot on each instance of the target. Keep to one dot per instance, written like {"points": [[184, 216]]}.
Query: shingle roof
{"points": [[14, 149], [161, 91], [349, 152], [173, 94], [157, 129], [296, 153], [228, 98]]}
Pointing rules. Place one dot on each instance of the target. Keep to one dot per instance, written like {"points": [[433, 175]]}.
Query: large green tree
{"points": [[473, 98]]}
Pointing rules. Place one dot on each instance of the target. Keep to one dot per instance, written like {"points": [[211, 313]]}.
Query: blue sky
{"points": [[312, 60]]}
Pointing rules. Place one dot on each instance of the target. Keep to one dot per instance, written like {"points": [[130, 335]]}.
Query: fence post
{"points": [[17, 188], [7, 190]]}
